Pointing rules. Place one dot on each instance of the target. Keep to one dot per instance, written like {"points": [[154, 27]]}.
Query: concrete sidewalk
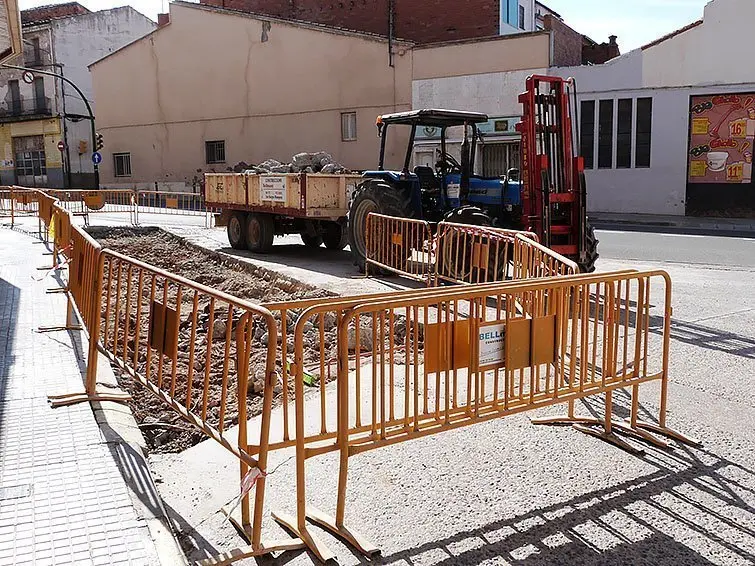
{"points": [[73, 489], [674, 224]]}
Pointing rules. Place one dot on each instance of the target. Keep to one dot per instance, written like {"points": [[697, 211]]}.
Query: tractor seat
{"points": [[427, 179]]}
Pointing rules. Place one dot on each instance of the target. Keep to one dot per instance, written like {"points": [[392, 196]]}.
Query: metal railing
{"points": [[401, 365], [27, 107]]}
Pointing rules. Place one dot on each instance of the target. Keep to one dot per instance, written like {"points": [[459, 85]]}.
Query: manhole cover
{"points": [[15, 492]]}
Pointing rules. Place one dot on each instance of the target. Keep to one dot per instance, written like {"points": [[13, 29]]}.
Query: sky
{"points": [[635, 22]]}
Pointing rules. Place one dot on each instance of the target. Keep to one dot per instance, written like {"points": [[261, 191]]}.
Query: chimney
{"points": [[163, 20], [612, 39]]}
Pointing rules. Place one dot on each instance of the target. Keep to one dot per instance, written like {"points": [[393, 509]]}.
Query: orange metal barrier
{"points": [[391, 244], [83, 202], [389, 367], [443, 359], [474, 254], [194, 348], [184, 204], [533, 260], [18, 201]]}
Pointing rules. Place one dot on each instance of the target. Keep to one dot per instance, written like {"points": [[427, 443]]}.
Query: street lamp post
{"points": [[86, 103]]}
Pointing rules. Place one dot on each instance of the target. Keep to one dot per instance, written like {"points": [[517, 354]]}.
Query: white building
{"points": [[665, 129], [40, 113]]}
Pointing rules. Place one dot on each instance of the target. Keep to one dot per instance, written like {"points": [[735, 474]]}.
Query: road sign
{"points": [[61, 146], [96, 158], [28, 77]]}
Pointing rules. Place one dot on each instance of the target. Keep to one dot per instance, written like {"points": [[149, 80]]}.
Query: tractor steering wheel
{"points": [[449, 163]]}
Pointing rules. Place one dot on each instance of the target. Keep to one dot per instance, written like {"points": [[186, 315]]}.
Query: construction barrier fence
{"points": [[389, 367], [456, 253], [399, 245]]}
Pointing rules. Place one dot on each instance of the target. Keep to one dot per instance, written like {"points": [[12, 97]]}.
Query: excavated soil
{"points": [[164, 430]]}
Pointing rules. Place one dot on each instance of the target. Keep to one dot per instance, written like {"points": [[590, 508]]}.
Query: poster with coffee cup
{"points": [[722, 134]]}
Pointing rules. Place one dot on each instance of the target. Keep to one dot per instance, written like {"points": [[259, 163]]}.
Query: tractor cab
{"points": [[451, 183]]}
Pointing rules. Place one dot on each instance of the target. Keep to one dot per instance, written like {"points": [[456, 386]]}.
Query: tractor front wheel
{"points": [[456, 256]]}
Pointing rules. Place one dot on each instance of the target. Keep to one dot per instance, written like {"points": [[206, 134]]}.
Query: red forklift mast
{"points": [[553, 182]]}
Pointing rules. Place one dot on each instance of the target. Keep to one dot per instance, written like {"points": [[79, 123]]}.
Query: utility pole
{"points": [[86, 103]]}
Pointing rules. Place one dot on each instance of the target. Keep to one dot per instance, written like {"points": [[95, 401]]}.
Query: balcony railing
{"points": [[26, 107]]}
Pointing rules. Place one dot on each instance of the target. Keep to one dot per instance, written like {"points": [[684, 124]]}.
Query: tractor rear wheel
{"points": [[588, 265], [237, 230], [374, 195], [455, 260]]}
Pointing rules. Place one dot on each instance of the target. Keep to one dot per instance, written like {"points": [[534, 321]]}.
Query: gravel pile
{"points": [[317, 162]]}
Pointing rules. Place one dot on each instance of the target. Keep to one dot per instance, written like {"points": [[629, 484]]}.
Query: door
{"points": [[31, 163], [498, 158]]}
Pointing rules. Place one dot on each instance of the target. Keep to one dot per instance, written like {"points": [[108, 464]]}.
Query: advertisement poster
{"points": [[273, 188], [722, 131]]}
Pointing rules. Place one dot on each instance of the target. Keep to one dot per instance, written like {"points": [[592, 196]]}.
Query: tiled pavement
{"points": [[63, 499]]}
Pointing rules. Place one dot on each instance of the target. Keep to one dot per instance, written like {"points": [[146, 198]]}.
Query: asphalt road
{"points": [[679, 249]]}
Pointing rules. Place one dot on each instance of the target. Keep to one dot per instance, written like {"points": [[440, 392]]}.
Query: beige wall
{"points": [[507, 53], [210, 76]]}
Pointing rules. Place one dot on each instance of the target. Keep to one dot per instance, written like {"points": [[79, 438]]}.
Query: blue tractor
{"points": [[449, 192]]}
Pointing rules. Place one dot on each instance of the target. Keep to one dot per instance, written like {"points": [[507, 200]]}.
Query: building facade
{"points": [[669, 128], [45, 131], [219, 87], [665, 129], [286, 87]]}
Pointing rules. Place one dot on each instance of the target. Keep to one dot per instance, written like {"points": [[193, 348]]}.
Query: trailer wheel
{"points": [[260, 231], [335, 236], [237, 230], [311, 241]]}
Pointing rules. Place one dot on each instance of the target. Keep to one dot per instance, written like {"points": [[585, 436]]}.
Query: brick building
{"points": [[434, 21]]}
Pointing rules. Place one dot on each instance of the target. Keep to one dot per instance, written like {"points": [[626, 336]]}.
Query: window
{"points": [[624, 134], [605, 134], [15, 96], [215, 151], [587, 133], [644, 131], [348, 126], [521, 17], [122, 164], [40, 102], [498, 158]]}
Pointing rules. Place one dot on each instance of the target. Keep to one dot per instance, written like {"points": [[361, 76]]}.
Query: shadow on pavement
{"points": [[696, 508]]}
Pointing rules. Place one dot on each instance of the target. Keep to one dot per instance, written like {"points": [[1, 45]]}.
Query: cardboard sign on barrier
{"points": [[94, 201]]}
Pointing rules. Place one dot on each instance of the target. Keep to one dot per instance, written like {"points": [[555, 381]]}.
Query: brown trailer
{"points": [[256, 208]]}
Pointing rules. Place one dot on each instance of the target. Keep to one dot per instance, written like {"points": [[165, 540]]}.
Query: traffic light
{"points": [[99, 143]]}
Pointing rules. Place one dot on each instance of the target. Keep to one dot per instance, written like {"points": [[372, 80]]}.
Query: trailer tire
{"points": [[260, 231], [335, 235], [311, 241], [592, 255], [236, 230], [374, 195]]}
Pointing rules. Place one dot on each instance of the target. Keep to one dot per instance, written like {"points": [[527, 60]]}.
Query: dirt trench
{"points": [[163, 428]]}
